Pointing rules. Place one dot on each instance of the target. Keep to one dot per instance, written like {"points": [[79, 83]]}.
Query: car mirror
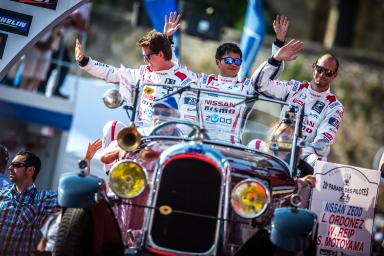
{"points": [[112, 98]]}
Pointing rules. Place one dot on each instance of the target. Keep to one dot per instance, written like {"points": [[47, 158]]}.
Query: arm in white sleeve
{"points": [[263, 80], [276, 46], [330, 125], [100, 70]]}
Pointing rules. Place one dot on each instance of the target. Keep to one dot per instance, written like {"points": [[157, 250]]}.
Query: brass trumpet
{"points": [[129, 138]]}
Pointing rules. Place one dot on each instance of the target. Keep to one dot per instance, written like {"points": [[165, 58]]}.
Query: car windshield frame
{"points": [[269, 108]]}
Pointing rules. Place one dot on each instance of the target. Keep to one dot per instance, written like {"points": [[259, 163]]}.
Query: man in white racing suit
{"points": [[160, 69], [220, 114], [322, 111]]}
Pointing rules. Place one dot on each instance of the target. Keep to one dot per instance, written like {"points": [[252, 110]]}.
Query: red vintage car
{"points": [[184, 193]]}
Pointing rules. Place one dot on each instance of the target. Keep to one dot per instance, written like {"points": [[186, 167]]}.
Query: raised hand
{"points": [[172, 24], [280, 26], [93, 147], [79, 55], [289, 51]]}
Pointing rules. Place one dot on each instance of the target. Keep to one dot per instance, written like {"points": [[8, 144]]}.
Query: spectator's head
{"points": [[228, 59], [324, 71], [3, 158], [24, 168], [156, 49]]}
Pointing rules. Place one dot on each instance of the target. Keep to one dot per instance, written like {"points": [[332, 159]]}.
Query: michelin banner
{"points": [[23, 23], [344, 199]]}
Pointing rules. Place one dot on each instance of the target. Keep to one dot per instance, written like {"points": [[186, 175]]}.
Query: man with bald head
{"points": [[322, 111]]}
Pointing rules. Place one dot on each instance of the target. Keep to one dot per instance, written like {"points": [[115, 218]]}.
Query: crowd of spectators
{"points": [[35, 70]]}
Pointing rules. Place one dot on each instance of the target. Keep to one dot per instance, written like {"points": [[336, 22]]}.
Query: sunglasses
{"points": [[326, 71], [18, 164], [281, 146], [230, 60], [164, 113], [147, 57]]}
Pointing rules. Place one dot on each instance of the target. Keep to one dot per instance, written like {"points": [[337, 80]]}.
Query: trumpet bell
{"points": [[129, 139], [127, 179]]}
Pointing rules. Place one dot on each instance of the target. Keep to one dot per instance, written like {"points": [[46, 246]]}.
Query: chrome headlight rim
{"points": [[127, 161], [267, 195]]}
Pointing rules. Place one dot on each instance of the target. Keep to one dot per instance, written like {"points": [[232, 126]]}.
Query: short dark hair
{"points": [[226, 48], [4, 157], [157, 42], [31, 160], [333, 56]]}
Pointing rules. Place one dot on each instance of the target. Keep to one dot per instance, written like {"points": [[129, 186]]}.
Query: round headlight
{"points": [[249, 198], [127, 179]]}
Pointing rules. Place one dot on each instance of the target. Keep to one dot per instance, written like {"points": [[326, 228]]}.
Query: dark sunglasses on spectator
{"points": [[165, 113], [326, 71], [230, 60], [18, 164]]}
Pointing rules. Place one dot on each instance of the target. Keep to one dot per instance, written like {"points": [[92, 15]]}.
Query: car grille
{"points": [[187, 185]]}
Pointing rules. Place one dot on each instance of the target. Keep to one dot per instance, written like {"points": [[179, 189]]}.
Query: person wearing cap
{"points": [[163, 111], [4, 180]]}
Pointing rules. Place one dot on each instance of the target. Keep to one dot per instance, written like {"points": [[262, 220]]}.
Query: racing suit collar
{"points": [[164, 71], [227, 80], [314, 94]]}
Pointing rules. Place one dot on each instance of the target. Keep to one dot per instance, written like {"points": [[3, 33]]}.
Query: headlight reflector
{"points": [[249, 198], [127, 179]]}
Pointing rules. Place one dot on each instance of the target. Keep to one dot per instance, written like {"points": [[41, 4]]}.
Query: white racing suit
{"points": [[220, 115], [322, 111], [175, 76]]}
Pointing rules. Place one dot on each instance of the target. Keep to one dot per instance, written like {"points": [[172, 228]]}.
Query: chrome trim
{"points": [[180, 149]]}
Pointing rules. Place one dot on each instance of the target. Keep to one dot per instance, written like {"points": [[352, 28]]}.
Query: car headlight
{"points": [[249, 198], [127, 179]]}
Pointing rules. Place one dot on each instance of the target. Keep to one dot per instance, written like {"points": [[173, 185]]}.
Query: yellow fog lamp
{"points": [[127, 179], [250, 198]]}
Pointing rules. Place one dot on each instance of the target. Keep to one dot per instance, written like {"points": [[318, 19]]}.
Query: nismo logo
{"points": [[15, 22]]}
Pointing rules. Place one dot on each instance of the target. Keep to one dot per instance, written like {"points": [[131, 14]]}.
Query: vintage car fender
{"points": [[292, 229], [78, 191]]}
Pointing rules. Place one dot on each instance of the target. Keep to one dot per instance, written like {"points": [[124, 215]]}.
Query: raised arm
{"points": [[95, 68], [280, 26], [264, 78], [171, 24], [92, 148]]}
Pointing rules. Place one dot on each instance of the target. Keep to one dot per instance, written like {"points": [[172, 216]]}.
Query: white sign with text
{"points": [[344, 200]]}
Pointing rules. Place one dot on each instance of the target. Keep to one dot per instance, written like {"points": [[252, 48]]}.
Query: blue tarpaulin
{"points": [[253, 35], [156, 10]]}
